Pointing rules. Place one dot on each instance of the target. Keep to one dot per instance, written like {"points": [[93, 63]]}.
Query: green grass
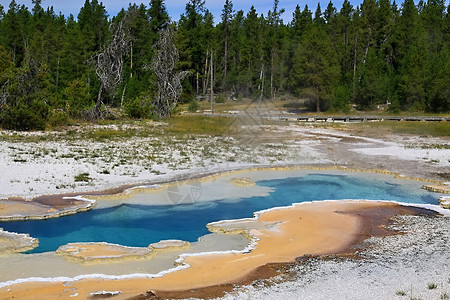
{"points": [[83, 177], [180, 125], [415, 128], [432, 286], [109, 134]]}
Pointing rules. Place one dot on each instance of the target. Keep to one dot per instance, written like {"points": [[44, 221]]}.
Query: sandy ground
{"points": [[34, 164]]}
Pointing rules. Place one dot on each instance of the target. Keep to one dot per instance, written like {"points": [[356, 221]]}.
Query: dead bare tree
{"points": [[169, 80], [211, 91], [109, 63], [4, 95]]}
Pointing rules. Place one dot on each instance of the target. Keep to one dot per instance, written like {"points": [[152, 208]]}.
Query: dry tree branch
{"points": [[109, 62], [169, 81]]}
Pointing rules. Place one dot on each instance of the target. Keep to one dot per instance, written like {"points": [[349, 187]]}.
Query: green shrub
{"points": [[341, 99], [193, 106], [432, 286], [187, 94], [220, 98], [58, 118], [25, 117], [394, 107], [139, 108], [83, 177], [77, 98]]}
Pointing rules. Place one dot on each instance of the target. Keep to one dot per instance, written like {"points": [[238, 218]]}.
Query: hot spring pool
{"points": [[140, 225]]}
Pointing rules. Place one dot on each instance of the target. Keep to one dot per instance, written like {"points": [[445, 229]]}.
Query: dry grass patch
{"points": [[199, 124], [437, 129]]}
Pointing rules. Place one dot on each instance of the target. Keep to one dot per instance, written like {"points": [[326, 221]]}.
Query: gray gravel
{"points": [[414, 265]]}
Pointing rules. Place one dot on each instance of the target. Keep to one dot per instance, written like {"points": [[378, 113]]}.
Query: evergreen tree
{"points": [[434, 19], [2, 32], [438, 91], [330, 13], [24, 95], [15, 25], [446, 27], [5, 60], [227, 16], [192, 43], [239, 55], [93, 22], [253, 55], [273, 38], [385, 29], [357, 54], [37, 8], [73, 64], [433, 22], [159, 18], [373, 81], [406, 33], [315, 72], [372, 54], [318, 18], [410, 56], [296, 19], [369, 13], [343, 42], [413, 78], [301, 22]]}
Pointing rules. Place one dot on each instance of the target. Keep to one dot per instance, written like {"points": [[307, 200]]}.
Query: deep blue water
{"points": [[139, 225]]}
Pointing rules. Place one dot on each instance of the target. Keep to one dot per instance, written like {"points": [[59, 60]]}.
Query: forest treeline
{"points": [[375, 53]]}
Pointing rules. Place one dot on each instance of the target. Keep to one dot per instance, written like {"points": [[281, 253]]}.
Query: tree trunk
{"points": [[123, 96], [225, 63], [57, 74], [317, 100], [98, 104], [212, 83], [131, 58], [261, 77], [354, 66], [197, 84], [271, 76], [206, 73]]}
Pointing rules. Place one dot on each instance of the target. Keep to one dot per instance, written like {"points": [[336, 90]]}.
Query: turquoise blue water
{"points": [[139, 225]]}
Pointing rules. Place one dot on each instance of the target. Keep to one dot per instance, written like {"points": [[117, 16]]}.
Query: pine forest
{"points": [[55, 68]]}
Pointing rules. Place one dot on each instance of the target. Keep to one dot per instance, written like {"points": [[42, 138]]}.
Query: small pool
{"points": [[140, 225]]}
